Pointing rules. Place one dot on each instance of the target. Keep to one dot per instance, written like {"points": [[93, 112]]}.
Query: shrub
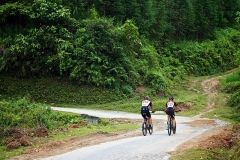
{"points": [[22, 113]]}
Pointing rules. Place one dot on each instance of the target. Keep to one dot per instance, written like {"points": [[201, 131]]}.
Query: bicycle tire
{"points": [[150, 129], [174, 129], [144, 128], [169, 126]]}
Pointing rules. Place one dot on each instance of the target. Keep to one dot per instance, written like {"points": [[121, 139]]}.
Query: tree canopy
{"points": [[119, 44]]}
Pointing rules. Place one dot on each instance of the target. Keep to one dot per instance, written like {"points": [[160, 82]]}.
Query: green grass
{"points": [[214, 154], [55, 91], [92, 129], [133, 104], [194, 154], [221, 109], [7, 154], [107, 127], [234, 77]]}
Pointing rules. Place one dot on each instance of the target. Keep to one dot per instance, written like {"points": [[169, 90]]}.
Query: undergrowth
{"points": [[50, 90], [23, 112]]}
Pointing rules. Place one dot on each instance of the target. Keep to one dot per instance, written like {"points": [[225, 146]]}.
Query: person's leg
{"points": [[169, 113], [174, 122], [150, 120], [168, 116], [143, 119], [149, 117], [144, 116], [174, 119]]}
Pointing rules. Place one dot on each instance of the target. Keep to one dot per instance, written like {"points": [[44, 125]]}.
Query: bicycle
{"points": [[171, 128], [146, 127]]}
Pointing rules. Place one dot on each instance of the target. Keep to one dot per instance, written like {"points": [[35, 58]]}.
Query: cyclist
{"points": [[170, 109], [146, 104]]}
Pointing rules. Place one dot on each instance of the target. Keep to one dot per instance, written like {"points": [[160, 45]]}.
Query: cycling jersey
{"points": [[145, 108], [170, 105], [146, 104]]}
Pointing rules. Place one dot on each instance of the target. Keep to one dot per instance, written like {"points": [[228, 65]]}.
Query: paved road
{"points": [[152, 147]]}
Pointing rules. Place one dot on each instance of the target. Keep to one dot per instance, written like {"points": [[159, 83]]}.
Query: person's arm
{"points": [[177, 108], [152, 108]]}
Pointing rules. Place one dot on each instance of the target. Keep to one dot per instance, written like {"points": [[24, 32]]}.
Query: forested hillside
{"points": [[108, 54], [119, 44]]}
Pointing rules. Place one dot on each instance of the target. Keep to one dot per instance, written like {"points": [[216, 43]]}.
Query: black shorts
{"points": [[145, 113], [170, 111]]}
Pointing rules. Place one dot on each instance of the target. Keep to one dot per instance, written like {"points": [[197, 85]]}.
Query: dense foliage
{"points": [[108, 48], [210, 56], [24, 113], [118, 44], [233, 88]]}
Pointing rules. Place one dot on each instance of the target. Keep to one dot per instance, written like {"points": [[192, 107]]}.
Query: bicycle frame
{"points": [[170, 126], [146, 121], [145, 127]]}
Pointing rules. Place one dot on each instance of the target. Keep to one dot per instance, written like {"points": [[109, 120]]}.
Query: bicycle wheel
{"points": [[169, 126], [144, 128], [174, 129], [150, 129]]}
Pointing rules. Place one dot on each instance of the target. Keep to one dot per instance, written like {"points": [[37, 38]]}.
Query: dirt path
{"points": [[210, 89], [217, 137]]}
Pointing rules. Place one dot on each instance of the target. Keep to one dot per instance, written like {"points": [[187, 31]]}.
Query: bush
{"points": [[233, 86], [234, 101], [23, 113], [127, 89], [233, 78], [156, 80]]}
